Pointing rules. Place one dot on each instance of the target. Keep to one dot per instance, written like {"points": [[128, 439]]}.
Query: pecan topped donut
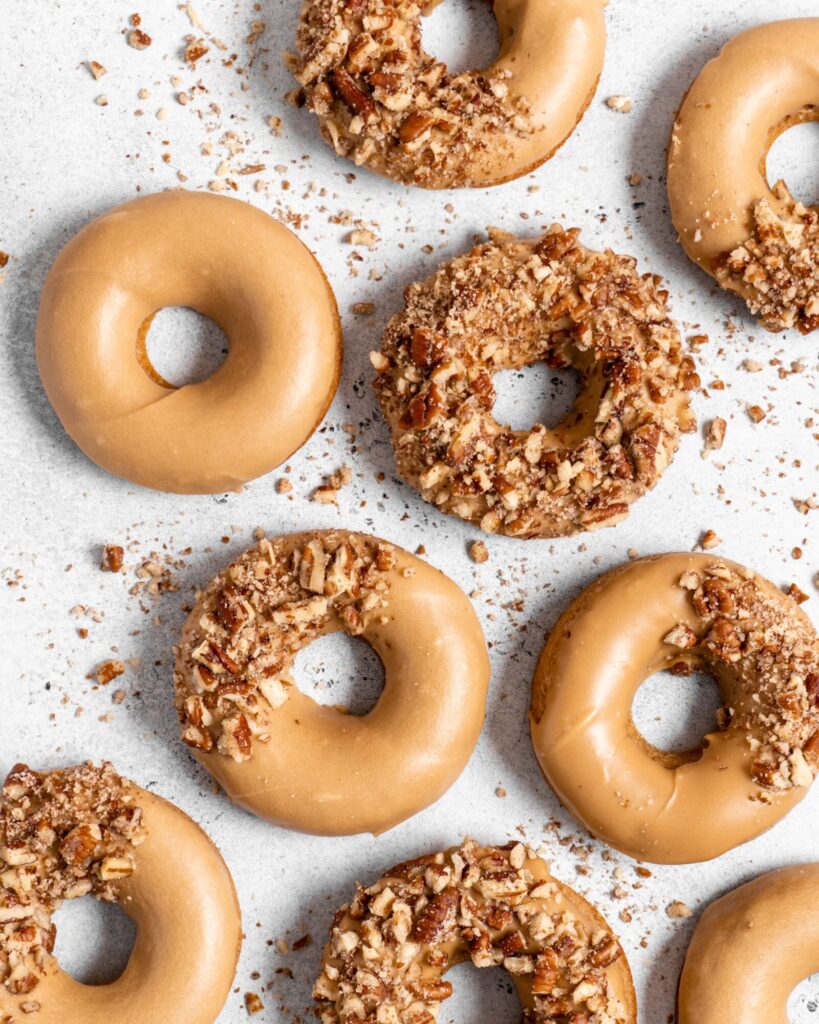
{"points": [[509, 303], [496, 906], [384, 102]]}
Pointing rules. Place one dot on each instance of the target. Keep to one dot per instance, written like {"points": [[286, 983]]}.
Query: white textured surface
{"points": [[65, 159]]}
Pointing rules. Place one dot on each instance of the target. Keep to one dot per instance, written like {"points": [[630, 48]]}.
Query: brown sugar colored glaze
{"points": [[86, 831], [505, 305], [384, 103], [683, 612], [316, 768], [391, 947], [752, 947], [754, 239], [230, 262]]}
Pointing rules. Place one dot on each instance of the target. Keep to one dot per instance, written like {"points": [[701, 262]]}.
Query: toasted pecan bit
{"points": [[108, 671], [113, 557], [138, 39]]}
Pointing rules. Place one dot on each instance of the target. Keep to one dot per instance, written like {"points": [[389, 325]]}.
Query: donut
{"points": [[683, 612], [751, 948], [507, 304], [311, 767], [84, 831], [496, 906], [756, 241], [386, 104], [230, 262]]}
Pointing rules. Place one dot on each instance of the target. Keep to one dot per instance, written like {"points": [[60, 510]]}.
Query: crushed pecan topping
{"points": [[390, 947], [769, 651], [509, 303], [382, 101], [776, 271], [242, 636], [63, 834]]}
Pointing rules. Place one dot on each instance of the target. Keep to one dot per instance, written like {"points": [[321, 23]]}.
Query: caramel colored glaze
{"points": [[750, 949], [230, 262], [653, 806], [182, 899], [740, 103], [328, 772]]}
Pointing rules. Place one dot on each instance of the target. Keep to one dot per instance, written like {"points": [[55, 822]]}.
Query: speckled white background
{"points": [[65, 159]]}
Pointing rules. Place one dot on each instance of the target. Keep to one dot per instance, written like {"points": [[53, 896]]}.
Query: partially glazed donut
{"points": [[751, 948], [85, 830], [385, 103], [236, 265], [754, 239], [507, 304], [683, 612], [390, 948], [306, 766]]}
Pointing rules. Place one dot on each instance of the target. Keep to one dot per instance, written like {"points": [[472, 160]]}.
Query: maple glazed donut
{"points": [[232, 263], [756, 943], [303, 765], [382, 101], [496, 906], [507, 304], [684, 612], [87, 831], [754, 240]]}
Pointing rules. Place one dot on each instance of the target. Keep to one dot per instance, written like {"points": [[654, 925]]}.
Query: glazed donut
{"points": [[685, 612], [506, 304], [305, 766], [85, 830], [386, 104], [496, 906], [754, 240], [751, 948], [236, 265]]}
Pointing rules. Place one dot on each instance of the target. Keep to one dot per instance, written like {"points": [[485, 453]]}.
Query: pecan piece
{"points": [[437, 918], [414, 126], [359, 102]]}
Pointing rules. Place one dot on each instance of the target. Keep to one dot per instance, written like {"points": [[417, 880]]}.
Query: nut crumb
{"points": [[709, 540], [138, 39], [478, 552], [622, 104], [678, 909], [253, 1003]]}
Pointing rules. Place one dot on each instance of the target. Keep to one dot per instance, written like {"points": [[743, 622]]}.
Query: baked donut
{"points": [[236, 265], [310, 767], [496, 906], [752, 947], [382, 101], [87, 831], [683, 612], [754, 240], [504, 305]]}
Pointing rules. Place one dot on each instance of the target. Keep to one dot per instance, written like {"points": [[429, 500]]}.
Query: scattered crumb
{"points": [[138, 39], [478, 552], [109, 670], [709, 540], [283, 485], [715, 434], [756, 412], [96, 69], [678, 909], [363, 308], [622, 104], [253, 1003], [113, 557]]}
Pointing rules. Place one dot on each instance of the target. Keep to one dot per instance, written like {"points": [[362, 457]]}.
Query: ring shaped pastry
{"points": [[312, 767], [503, 306], [683, 612], [496, 906], [230, 262], [755, 240], [84, 830], [756, 943], [386, 104]]}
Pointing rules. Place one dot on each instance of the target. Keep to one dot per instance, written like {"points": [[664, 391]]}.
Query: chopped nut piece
{"points": [[138, 39], [195, 50], [253, 1003], [709, 540], [715, 434], [622, 104], [678, 909], [109, 670], [96, 69], [756, 413], [478, 551], [113, 557]]}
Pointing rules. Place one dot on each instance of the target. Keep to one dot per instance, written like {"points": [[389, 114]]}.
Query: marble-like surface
{"points": [[66, 158]]}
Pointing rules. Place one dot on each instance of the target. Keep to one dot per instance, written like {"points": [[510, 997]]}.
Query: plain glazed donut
{"points": [[755, 240], [685, 612], [496, 906], [84, 830], [386, 104], [236, 265], [310, 767], [509, 303], [750, 949]]}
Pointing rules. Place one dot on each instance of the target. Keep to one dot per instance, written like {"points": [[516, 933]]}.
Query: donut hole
{"points": [[340, 671], [479, 996], [674, 713], [535, 394], [463, 35], [178, 346], [803, 1003], [793, 158], [94, 940]]}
